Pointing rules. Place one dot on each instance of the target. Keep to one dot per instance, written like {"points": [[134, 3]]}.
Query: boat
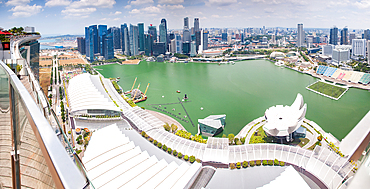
{"points": [[178, 91]]}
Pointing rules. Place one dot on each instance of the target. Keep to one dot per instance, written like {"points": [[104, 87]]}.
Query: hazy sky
{"points": [[71, 16]]}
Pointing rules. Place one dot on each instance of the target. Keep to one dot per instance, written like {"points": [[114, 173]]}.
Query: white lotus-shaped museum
{"points": [[284, 120]]}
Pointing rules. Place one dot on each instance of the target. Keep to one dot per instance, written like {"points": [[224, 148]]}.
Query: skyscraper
{"points": [[178, 44], [300, 36], [141, 36], [81, 43], [153, 31], [333, 36], [344, 36], [196, 24], [186, 35], [108, 45], [359, 47], [116, 37], [102, 30], [126, 36], [351, 37], [224, 36], [134, 41], [197, 33], [205, 40], [94, 34], [92, 43], [87, 42], [366, 34], [123, 27], [148, 45], [163, 34], [166, 27], [186, 22]]}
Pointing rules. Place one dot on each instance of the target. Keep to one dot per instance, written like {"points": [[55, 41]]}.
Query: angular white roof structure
{"points": [[284, 120], [289, 179], [210, 122], [85, 91]]}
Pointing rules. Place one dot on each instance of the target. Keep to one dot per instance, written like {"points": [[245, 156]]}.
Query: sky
{"points": [[51, 17]]}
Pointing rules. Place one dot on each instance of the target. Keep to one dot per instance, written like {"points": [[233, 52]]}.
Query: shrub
{"points": [[192, 159], [167, 127], [238, 165], [179, 155], [69, 132], [155, 142], [251, 163], [169, 150], [143, 133], [264, 162], [198, 160], [146, 136], [159, 145], [174, 153], [258, 162], [282, 163], [276, 162], [270, 162], [186, 157], [245, 164], [164, 147], [232, 166], [319, 138], [150, 139]]}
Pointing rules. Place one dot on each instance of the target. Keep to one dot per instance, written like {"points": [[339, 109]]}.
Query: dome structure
{"points": [[284, 120], [136, 94]]}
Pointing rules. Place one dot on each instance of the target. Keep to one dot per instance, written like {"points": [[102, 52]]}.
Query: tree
{"points": [[192, 159], [238, 165], [231, 138], [232, 165], [245, 164], [236, 140], [186, 157], [166, 127], [179, 155], [223, 136], [242, 140], [173, 128]]}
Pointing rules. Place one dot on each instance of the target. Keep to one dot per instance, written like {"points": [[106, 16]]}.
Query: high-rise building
{"points": [[193, 49], [205, 40], [141, 36], [186, 35], [359, 47], [102, 30], [344, 36], [300, 36], [166, 27], [327, 50], [368, 51], [340, 56], [126, 36], [366, 34], [108, 45], [178, 44], [333, 36], [163, 34], [92, 42], [351, 37], [186, 48], [87, 42], [152, 30], [81, 43], [123, 41], [224, 36], [134, 41], [116, 37], [173, 46], [186, 22], [158, 48], [148, 45], [197, 33], [196, 24]]}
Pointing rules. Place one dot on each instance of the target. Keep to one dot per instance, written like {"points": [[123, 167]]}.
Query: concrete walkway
{"points": [[246, 128], [166, 119]]}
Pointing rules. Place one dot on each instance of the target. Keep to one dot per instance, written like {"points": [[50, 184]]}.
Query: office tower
{"points": [[300, 36], [344, 36], [116, 37], [92, 41], [134, 41], [152, 30], [205, 40], [172, 36], [108, 45], [224, 36], [186, 47], [192, 37], [186, 35], [242, 37], [158, 48], [126, 36], [123, 27], [368, 51], [81, 43], [333, 36], [196, 24], [340, 56], [163, 34], [94, 33], [359, 47], [351, 37], [148, 45], [186, 22], [173, 46], [87, 42], [366, 34], [178, 44], [193, 49], [166, 27], [197, 33], [102, 30], [141, 36]]}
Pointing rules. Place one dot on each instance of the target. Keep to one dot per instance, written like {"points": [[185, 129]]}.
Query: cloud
{"points": [[215, 16], [116, 13], [78, 13], [25, 10], [54, 3], [221, 2], [134, 11], [128, 7], [363, 4], [268, 10], [175, 6], [152, 9], [17, 2], [170, 1], [92, 3], [140, 2]]}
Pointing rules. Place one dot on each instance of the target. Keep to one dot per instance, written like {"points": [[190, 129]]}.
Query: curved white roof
{"points": [[284, 120], [84, 94]]}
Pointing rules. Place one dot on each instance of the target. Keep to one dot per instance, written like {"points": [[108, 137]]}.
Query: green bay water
{"points": [[242, 91]]}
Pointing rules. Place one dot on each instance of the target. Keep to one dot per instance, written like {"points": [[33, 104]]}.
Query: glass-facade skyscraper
{"points": [[148, 45], [344, 36], [152, 30], [333, 36], [134, 41], [163, 34], [102, 30], [141, 36]]}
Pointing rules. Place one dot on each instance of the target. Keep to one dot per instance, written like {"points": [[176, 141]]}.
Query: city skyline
{"points": [[66, 17]]}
